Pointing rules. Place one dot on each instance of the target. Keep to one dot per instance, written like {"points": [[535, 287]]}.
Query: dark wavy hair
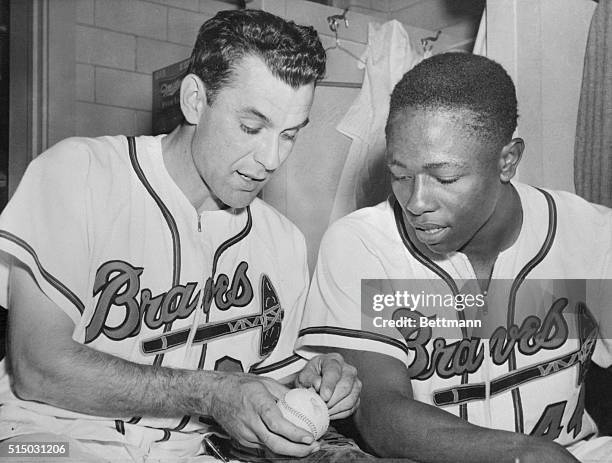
{"points": [[460, 82], [293, 53]]}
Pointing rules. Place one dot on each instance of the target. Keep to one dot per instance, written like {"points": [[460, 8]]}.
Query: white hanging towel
{"points": [[480, 44], [388, 55]]}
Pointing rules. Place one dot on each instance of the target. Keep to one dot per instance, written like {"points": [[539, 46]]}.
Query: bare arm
{"points": [[395, 425], [49, 367]]}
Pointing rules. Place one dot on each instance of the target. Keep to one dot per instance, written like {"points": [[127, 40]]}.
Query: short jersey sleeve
{"points": [[45, 226], [334, 316]]}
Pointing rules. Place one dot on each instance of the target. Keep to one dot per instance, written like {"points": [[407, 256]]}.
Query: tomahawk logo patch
{"points": [[272, 312]]}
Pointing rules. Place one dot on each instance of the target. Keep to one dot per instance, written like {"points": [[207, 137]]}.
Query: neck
{"points": [[178, 159], [501, 230]]}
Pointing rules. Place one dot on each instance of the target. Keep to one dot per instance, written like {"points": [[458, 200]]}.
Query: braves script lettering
{"points": [[466, 355], [118, 284]]}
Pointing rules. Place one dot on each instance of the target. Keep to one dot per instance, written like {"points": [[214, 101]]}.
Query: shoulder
{"points": [[588, 226], [78, 154], [369, 224], [368, 231], [98, 164], [574, 212], [583, 233], [74, 147]]}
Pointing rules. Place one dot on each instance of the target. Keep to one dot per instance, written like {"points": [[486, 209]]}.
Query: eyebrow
{"points": [[438, 165], [254, 112], [395, 162], [430, 165], [266, 120]]}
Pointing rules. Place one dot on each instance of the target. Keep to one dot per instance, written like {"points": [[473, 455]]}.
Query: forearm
{"points": [[96, 383], [48, 366], [397, 426]]}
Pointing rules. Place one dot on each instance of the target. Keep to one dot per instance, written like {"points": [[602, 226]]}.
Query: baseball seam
{"points": [[312, 427]]}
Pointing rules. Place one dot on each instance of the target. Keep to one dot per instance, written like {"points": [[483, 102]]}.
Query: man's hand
{"points": [[336, 382], [245, 406]]}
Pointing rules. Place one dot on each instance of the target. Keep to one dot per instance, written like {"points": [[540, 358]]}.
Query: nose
{"points": [[268, 154], [419, 201]]}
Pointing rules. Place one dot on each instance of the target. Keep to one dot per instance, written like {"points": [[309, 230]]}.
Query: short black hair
{"points": [[460, 82], [293, 53]]}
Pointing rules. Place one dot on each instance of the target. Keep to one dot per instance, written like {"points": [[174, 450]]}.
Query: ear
{"points": [[509, 159], [193, 98]]}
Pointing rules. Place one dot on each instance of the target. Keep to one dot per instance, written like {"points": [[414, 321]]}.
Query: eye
{"points": [[400, 177], [447, 181], [249, 130], [289, 136], [397, 174]]}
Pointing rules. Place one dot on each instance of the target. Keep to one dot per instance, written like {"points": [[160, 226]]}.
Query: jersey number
{"points": [[549, 424]]}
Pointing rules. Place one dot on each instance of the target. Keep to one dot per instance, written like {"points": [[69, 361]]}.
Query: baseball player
{"points": [[153, 298], [471, 304]]}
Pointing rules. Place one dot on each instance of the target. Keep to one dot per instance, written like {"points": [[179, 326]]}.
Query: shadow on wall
{"points": [[376, 187], [465, 8]]}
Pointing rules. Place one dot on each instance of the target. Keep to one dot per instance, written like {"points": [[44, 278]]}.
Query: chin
{"points": [[240, 202], [442, 248], [438, 248]]}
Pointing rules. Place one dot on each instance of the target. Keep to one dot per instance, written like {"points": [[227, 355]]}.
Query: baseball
{"points": [[305, 409]]}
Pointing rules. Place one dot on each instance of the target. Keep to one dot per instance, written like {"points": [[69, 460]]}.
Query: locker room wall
{"points": [[93, 61]]}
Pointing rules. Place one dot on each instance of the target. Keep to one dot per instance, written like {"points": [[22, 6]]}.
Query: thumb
{"points": [[277, 389], [310, 376], [309, 382]]}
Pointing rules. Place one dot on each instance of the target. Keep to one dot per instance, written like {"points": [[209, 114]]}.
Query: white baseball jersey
{"points": [[516, 358], [112, 240]]}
